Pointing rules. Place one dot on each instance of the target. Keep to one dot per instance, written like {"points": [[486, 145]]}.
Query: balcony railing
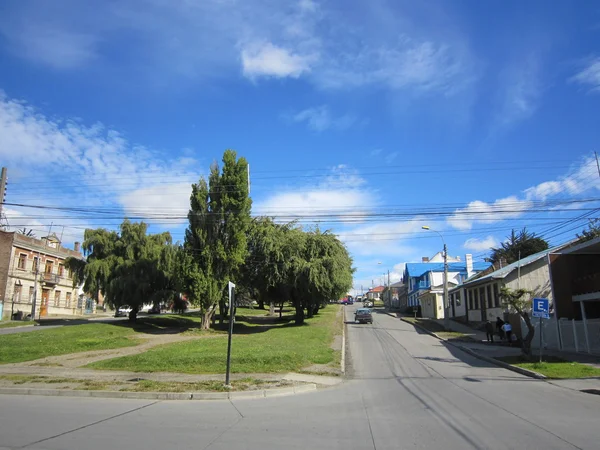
{"points": [[50, 278]]}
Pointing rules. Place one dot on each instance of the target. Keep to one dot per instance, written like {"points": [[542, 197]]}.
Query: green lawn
{"points": [[16, 323], [260, 345], [21, 347], [553, 367]]}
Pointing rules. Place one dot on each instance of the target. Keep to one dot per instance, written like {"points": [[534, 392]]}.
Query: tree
{"points": [[264, 270], [129, 268], [519, 300], [518, 246], [215, 244], [592, 232], [94, 272]]}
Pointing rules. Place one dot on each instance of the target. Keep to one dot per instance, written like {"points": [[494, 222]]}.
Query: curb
{"points": [[263, 393], [343, 358], [526, 372]]}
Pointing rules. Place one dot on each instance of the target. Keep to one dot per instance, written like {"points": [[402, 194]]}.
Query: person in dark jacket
{"points": [[489, 331], [499, 329]]}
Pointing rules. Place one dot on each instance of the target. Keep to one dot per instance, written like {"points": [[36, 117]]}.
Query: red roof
{"points": [[377, 289]]}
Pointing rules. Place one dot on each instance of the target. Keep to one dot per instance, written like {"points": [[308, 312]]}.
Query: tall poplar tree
{"points": [[215, 244]]}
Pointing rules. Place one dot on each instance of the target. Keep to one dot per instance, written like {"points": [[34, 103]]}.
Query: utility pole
{"points": [[446, 308], [597, 163], [35, 287], [3, 182], [389, 291]]}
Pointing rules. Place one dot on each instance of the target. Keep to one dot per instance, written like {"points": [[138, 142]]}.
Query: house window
{"points": [[68, 300], [35, 264], [49, 266], [17, 294], [61, 270], [31, 291], [476, 298], [496, 296], [490, 302], [457, 298], [482, 297], [57, 298], [22, 261]]}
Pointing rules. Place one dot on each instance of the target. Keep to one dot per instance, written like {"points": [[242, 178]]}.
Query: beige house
{"points": [[33, 271], [480, 294]]}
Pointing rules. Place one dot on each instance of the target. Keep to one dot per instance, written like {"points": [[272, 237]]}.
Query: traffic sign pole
{"points": [[541, 339]]}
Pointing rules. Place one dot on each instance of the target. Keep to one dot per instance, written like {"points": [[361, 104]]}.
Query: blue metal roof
{"points": [[418, 269]]}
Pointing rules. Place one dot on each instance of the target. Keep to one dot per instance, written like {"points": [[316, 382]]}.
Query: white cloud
{"points": [[589, 75], [391, 157], [97, 167], [395, 46], [582, 177], [320, 119], [479, 245], [519, 97], [341, 192], [483, 212], [272, 61]]}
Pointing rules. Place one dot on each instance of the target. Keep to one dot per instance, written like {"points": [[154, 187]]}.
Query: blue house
{"points": [[425, 281]]}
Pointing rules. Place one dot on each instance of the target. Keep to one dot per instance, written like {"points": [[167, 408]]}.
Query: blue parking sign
{"points": [[541, 308]]}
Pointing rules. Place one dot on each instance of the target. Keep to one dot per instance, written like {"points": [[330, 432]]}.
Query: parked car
{"points": [[123, 311], [363, 315], [344, 301], [368, 304], [154, 310]]}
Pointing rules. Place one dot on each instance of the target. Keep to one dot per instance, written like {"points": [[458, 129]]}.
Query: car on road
{"points": [[123, 311], [368, 304], [363, 315]]}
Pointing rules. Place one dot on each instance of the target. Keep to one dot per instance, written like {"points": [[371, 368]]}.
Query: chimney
{"points": [[77, 246], [425, 259], [469, 264]]}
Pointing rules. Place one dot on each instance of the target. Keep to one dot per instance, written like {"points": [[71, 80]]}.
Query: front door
{"points": [[44, 304]]}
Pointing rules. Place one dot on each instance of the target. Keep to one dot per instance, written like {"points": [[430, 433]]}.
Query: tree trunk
{"points": [[133, 315], [206, 319], [281, 310], [309, 311], [261, 302], [299, 314], [529, 338]]}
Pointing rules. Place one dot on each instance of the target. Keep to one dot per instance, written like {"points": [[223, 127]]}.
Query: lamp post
{"points": [[446, 305]]}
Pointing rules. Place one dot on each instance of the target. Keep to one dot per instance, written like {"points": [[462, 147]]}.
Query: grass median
{"points": [[553, 367], [260, 345], [38, 344]]}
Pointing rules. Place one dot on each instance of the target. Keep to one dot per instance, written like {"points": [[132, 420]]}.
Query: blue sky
{"points": [[381, 116]]}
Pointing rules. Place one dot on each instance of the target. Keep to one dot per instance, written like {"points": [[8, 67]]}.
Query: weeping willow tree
{"points": [[129, 267]]}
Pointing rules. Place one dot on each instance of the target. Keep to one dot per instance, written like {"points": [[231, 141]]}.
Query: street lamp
{"points": [[446, 303]]}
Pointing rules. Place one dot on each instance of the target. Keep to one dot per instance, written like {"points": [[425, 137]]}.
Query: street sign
{"points": [[541, 308]]}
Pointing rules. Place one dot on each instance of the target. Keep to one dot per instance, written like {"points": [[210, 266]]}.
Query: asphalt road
{"points": [[407, 391]]}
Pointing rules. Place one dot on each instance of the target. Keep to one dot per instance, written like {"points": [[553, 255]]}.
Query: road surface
{"points": [[408, 391]]}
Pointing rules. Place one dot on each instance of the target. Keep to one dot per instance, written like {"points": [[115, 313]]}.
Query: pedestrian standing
{"points": [[499, 329], [508, 331], [489, 331]]}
